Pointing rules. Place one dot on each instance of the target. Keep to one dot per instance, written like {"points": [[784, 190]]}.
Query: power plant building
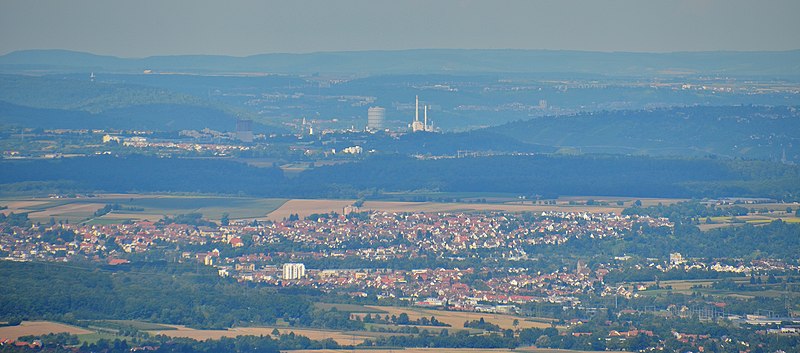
{"points": [[294, 271], [375, 118], [417, 125]]}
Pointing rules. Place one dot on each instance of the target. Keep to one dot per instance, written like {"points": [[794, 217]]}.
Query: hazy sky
{"points": [[164, 27]]}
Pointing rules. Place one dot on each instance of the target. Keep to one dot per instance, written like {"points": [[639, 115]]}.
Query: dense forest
{"points": [[139, 173], [160, 292], [525, 175], [728, 131], [561, 175]]}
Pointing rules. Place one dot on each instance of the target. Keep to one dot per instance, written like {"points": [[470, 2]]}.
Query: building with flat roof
{"points": [[294, 271]]}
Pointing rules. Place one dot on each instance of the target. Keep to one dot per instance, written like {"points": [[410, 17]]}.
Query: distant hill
{"points": [[70, 103], [731, 131], [424, 61], [82, 94], [161, 117]]}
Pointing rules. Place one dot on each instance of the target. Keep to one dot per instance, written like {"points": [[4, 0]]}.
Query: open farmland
{"points": [[37, 328], [306, 207], [344, 338], [154, 206], [71, 211], [751, 218], [456, 319], [139, 207]]}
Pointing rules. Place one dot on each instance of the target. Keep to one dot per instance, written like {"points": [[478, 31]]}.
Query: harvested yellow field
{"points": [[456, 319], [39, 328], [304, 208], [338, 336], [19, 206], [132, 216], [73, 209]]}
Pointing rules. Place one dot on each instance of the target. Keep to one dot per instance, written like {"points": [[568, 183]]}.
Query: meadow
{"points": [[704, 286]]}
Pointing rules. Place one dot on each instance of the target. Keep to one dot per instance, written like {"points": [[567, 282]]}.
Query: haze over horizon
{"points": [[148, 28]]}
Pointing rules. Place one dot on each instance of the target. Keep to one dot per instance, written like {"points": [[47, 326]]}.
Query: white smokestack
{"points": [[425, 126], [416, 110]]}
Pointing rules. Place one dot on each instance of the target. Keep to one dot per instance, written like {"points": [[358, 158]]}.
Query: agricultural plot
{"points": [[130, 324], [72, 212], [304, 208], [456, 319], [140, 207], [704, 286], [37, 328], [344, 338], [752, 218]]}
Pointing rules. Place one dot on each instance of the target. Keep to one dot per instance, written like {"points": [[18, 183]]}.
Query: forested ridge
{"points": [[550, 175], [728, 131]]}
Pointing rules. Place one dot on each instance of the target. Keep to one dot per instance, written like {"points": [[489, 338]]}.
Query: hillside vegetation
{"points": [[733, 131], [72, 103]]}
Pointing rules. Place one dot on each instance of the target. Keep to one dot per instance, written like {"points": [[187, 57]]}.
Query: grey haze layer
{"points": [[245, 27]]}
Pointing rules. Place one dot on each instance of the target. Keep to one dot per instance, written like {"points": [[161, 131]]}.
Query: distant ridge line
{"points": [[423, 61]]}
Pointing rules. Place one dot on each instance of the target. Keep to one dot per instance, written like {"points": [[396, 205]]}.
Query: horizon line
{"points": [[399, 50]]}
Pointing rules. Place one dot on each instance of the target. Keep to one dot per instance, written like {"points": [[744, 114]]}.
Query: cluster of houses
{"points": [[374, 236]]}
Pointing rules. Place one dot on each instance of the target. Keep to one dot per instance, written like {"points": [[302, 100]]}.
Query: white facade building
{"points": [[294, 271]]}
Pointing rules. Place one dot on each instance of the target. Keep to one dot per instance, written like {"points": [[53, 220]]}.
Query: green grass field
{"points": [[90, 338], [703, 286]]}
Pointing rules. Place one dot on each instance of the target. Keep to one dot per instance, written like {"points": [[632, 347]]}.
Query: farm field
{"points": [[344, 338], [685, 287], [39, 328], [128, 324], [753, 218], [139, 207], [306, 207], [456, 319], [154, 206]]}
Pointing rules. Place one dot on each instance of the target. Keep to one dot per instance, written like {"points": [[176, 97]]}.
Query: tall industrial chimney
{"points": [[416, 109], [425, 125]]}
